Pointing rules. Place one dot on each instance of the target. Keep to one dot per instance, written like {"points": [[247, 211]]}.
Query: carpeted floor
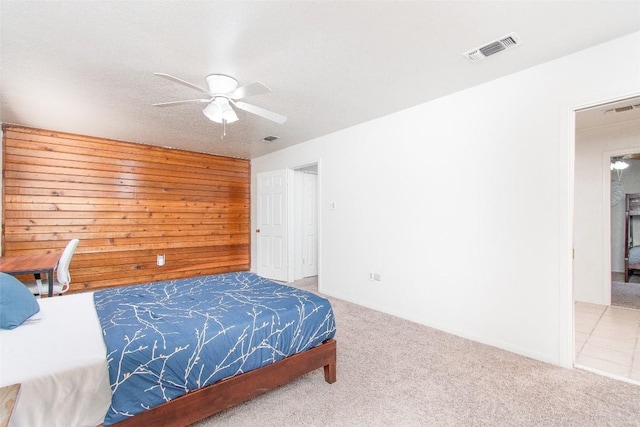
{"points": [[392, 372], [625, 295]]}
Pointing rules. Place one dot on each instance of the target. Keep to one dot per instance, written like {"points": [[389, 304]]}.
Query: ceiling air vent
{"points": [[622, 109], [270, 138], [627, 108], [503, 43]]}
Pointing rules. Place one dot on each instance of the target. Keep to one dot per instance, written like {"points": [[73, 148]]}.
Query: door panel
{"points": [[271, 232]]}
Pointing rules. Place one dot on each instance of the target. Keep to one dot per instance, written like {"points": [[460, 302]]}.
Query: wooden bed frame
{"points": [[224, 394]]}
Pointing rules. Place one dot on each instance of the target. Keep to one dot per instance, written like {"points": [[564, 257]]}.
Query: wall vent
{"points": [[269, 138], [503, 43]]}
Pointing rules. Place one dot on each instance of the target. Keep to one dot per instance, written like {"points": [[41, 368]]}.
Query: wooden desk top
{"points": [[28, 263]]}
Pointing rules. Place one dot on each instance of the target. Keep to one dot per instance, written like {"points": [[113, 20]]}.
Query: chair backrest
{"points": [[64, 278]]}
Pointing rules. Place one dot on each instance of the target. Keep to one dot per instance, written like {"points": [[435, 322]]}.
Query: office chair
{"points": [[61, 285]]}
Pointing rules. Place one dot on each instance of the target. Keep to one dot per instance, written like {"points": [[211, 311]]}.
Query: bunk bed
{"points": [[632, 235]]}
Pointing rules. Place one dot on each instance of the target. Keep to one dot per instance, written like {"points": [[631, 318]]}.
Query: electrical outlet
{"points": [[160, 260]]}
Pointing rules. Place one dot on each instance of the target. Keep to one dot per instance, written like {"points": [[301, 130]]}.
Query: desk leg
{"points": [[38, 278], [50, 274]]}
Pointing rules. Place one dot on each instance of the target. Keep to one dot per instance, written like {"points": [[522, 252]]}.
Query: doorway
{"points": [[305, 220], [625, 231], [606, 335], [288, 224]]}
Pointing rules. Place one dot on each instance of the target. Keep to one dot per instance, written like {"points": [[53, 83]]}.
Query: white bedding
{"points": [[59, 357]]}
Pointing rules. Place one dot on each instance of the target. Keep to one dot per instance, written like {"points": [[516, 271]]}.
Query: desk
{"points": [[31, 264]]}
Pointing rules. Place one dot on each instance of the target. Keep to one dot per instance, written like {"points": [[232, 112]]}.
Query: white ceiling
{"points": [[87, 67]]}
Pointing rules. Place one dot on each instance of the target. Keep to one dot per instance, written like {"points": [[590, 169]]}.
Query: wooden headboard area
{"points": [[127, 203]]}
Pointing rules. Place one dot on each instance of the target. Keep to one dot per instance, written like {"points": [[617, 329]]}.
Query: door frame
{"points": [[290, 212], [567, 303], [606, 217], [291, 215], [303, 261]]}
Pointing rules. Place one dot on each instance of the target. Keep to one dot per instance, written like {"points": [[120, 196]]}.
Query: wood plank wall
{"points": [[126, 203]]}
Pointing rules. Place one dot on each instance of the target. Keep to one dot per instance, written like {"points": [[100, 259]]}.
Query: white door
{"points": [[309, 225], [271, 225]]}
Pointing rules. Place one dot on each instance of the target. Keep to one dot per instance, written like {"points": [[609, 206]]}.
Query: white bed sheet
{"points": [[59, 357]]}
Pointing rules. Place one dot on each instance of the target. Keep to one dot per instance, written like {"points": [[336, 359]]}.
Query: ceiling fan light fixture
{"points": [[619, 165], [220, 110]]}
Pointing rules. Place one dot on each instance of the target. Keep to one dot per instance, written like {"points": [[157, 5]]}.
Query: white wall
{"points": [[594, 148], [463, 204]]}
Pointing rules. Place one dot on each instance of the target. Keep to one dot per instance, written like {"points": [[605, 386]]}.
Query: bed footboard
{"points": [[230, 392]]}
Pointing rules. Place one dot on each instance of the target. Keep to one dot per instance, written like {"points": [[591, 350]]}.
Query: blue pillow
{"points": [[17, 303]]}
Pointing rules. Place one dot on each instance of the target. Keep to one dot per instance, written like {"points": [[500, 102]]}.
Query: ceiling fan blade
{"points": [[182, 82], [269, 115], [251, 89], [186, 101]]}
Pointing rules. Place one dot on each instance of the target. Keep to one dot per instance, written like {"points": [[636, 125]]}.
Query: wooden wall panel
{"points": [[126, 203]]}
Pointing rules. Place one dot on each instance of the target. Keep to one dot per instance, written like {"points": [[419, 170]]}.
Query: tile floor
{"points": [[608, 339]]}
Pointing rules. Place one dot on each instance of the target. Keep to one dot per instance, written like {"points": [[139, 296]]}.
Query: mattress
{"points": [[59, 357], [165, 339]]}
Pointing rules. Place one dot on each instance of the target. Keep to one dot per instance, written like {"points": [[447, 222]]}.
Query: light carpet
{"points": [[625, 294], [392, 372]]}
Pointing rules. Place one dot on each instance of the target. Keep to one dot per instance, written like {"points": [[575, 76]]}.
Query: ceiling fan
{"points": [[224, 94]]}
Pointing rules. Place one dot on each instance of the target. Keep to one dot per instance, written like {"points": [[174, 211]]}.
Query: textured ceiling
{"points": [[87, 67]]}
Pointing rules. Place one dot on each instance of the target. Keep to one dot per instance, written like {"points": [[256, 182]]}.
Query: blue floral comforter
{"points": [[164, 339]]}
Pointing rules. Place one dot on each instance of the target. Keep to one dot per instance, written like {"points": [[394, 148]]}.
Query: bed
{"points": [[58, 355], [632, 236]]}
